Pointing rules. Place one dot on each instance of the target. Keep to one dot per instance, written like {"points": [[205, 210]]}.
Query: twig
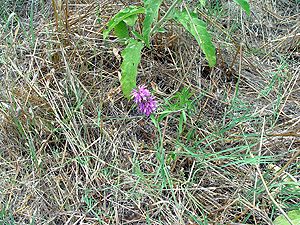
{"points": [[263, 180], [286, 165]]}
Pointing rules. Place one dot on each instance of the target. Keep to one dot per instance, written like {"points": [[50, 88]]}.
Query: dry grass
{"points": [[74, 151]]}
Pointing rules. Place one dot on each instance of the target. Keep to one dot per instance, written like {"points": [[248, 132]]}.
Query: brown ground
{"points": [[75, 151]]}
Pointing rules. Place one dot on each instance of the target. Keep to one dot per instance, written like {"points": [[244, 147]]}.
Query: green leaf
{"points": [[162, 30], [154, 120], [126, 15], [184, 116], [130, 20], [293, 215], [205, 38], [203, 2], [121, 31], [173, 156], [167, 101], [137, 35], [244, 4], [146, 3], [152, 7], [180, 123], [131, 58], [162, 116]]}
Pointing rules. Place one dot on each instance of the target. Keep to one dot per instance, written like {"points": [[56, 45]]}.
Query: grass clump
{"points": [[222, 148]]}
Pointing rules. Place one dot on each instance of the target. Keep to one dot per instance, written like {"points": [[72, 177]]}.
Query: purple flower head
{"points": [[144, 99], [140, 94]]}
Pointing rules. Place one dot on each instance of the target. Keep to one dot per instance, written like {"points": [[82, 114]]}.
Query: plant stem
{"points": [[164, 17]]}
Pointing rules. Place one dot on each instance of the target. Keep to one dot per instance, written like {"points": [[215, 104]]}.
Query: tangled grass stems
{"points": [[74, 150]]}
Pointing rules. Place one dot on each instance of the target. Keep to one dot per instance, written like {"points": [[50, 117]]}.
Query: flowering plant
{"points": [[144, 100]]}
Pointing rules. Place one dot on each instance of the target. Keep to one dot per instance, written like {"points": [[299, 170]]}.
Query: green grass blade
{"points": [[31, 22]]}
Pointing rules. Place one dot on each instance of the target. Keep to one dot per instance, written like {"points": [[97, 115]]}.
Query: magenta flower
{"points": [[144, 99]]}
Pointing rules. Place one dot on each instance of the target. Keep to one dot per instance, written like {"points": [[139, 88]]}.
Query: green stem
{"points": [[164, 17]]}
